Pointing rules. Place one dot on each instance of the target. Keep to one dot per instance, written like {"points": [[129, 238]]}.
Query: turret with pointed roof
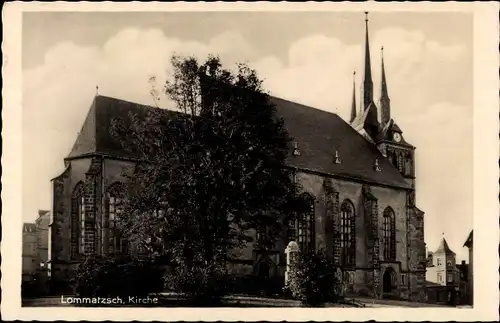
{"points": [[444, 248]]}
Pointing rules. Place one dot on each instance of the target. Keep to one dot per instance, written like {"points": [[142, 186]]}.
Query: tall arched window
{"points": [[77, 221], [347, 233], [117, 241], [394, 158], [389, 228], [305, 225], [408, 165]]}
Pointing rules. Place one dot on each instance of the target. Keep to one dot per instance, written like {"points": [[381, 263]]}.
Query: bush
{"points": [[101, 276], [202, 284], [312, 279], [29, 289]]}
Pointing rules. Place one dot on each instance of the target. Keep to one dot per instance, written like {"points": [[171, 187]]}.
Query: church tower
{"points": [[366, 123], [390, 140], [386, 134]]}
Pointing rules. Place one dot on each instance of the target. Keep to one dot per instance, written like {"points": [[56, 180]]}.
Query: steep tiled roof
{"points": [[95, 136], [367, 121], [318, 134], [468, 242], [444, 248]]}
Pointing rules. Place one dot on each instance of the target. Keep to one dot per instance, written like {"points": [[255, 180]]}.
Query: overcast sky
{"points": [[307, 57]]}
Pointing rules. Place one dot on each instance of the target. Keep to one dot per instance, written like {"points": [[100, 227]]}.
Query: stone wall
{"points": [[417, 256], [368, 224], [112, 173], [329, 194]]}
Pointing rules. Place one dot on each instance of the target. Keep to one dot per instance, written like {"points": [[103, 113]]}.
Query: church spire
{"points": [[385, 102], [367, 82], [353, 107]]}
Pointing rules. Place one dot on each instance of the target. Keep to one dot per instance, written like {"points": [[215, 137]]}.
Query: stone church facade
{"points": [[359, 175]]}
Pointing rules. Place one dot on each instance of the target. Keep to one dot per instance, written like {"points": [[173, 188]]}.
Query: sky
{"points": [[307, 57]]}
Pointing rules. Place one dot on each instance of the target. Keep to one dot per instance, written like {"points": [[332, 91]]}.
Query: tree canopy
{"points": [[211, 170]]}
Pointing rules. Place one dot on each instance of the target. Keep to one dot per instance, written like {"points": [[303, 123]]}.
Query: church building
{"points": [[359, 175]]}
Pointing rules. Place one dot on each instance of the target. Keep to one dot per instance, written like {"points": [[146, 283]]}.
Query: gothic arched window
{"points": [[77, 233], [347, 233], [305, 225], [117, 241], [408, 165], [394, 158], [389, 228]]}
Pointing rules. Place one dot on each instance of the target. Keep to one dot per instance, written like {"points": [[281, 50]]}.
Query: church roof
{"points": [[444, 248], [317, 133], [367, 120]]}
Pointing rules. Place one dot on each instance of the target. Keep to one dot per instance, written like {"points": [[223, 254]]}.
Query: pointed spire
{"points": [[385, 102], [353, 107], [96, 90], [384, 83], [367, 82]]}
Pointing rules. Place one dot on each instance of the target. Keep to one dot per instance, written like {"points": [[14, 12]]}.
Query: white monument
{"points": [[292, 251]]}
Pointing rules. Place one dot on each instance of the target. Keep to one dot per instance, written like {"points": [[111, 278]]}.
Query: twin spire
{"points": [[367, 89], [367, 82], [385, 102]]}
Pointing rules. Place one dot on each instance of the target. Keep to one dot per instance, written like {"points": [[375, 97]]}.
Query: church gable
{"points": [[95, 136], [85, 142]]}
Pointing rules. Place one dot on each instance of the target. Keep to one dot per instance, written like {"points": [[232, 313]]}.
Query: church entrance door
{"points": [[389, 280], [264, 268]]}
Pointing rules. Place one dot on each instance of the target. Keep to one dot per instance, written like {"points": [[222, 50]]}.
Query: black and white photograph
{"points": [[253, 160]]}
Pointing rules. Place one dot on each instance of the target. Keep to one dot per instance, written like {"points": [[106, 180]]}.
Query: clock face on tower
{"points": [[397, 137]]}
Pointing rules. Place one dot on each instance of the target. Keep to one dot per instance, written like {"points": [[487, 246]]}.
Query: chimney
{"points": [[463, 262]]}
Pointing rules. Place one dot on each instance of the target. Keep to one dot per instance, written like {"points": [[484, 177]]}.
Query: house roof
{"points": [[318, 134], [444, 248], [469, 240], [42, 212]]}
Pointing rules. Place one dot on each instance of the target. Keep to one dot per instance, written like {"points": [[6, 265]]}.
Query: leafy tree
{"points": [[313, 279], [209, 171]]}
